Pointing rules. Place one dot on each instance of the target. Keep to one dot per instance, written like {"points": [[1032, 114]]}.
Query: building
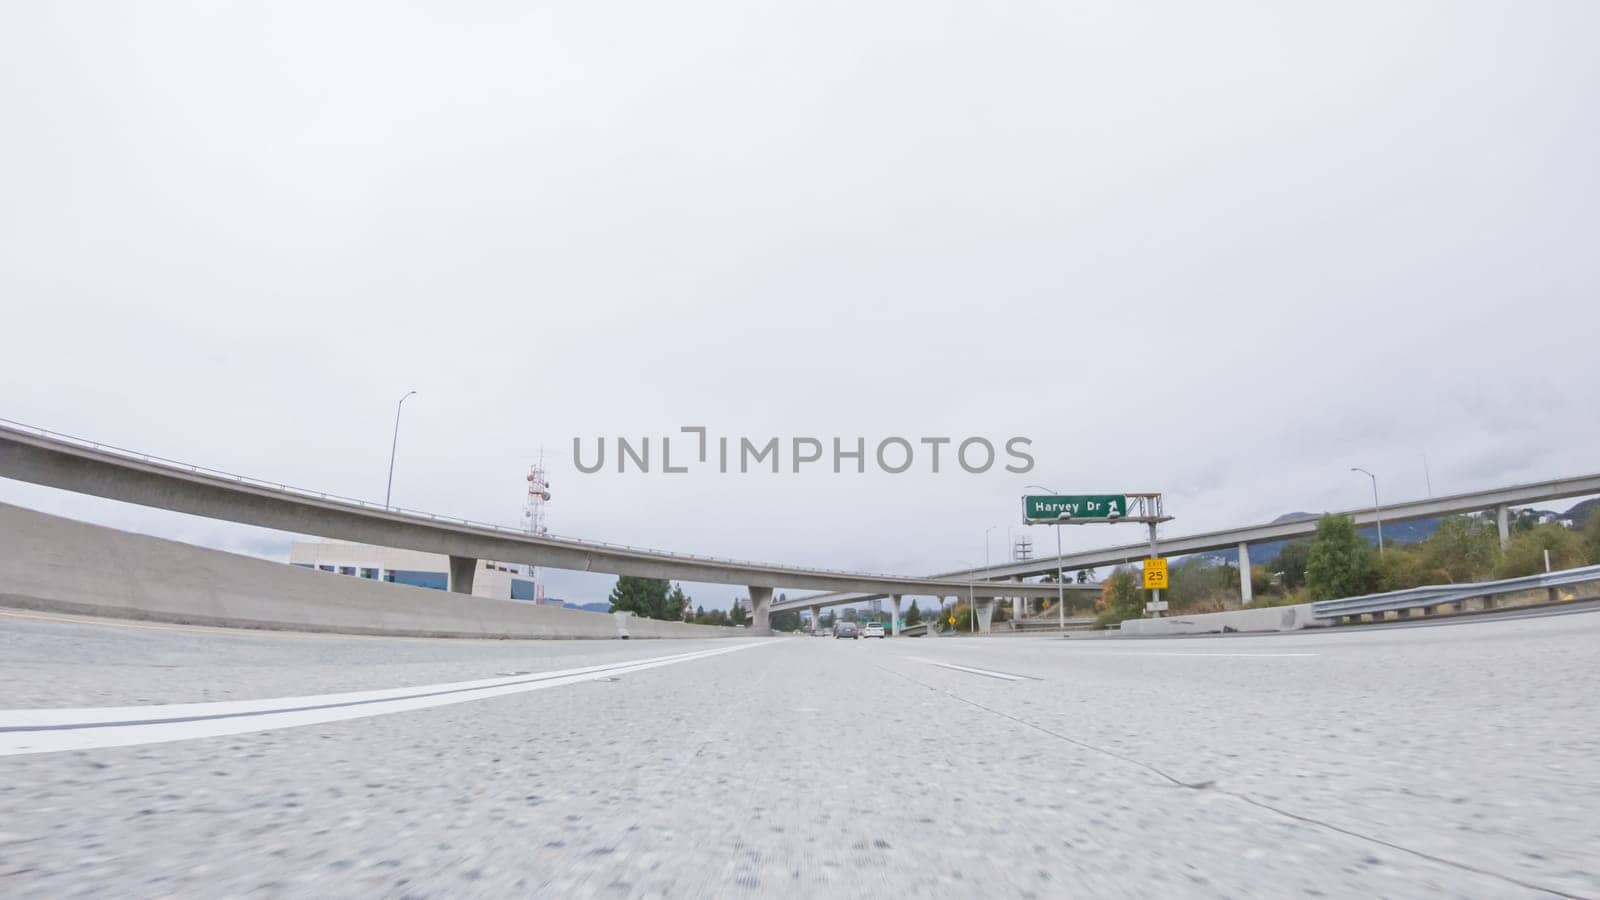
{"points": [[496, 580]]}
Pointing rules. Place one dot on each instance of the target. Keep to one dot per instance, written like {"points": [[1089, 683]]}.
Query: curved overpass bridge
{"points": [[1498, 500], [86, 467]]}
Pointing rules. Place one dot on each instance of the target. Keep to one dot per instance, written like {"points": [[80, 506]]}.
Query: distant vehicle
{"points": [[873, 629], [846, 630]]}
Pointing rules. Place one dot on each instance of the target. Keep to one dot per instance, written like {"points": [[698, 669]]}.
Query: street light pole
{"points": [[1061, 588], [985, 573], [394, 445], [1377, 509]]}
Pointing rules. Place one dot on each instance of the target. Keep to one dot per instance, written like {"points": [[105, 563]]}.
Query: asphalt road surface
{"points": [[143, 760]]}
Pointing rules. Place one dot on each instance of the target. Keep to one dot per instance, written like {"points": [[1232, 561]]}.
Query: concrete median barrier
{"points": [[63, 565], [1270, 618]]}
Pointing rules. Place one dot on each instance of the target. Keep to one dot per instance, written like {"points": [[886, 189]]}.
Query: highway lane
{"points": [[1455, 761]]}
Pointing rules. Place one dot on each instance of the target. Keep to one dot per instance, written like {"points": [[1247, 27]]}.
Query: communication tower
{"points": [[533, 517], [1022, 550]]}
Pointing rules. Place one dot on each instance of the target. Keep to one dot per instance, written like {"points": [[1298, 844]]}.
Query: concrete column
{"points": [[1245, 592], [896, 599], [985, 614], [1502, 518], [760, 620], [816, 619], [462, 568], [1017, 603]]}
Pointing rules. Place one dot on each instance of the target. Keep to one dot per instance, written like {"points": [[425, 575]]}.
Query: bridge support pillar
{"points": [[1018, 606], [462, 568], [1245, 592], [1502, 518], [896, 599], [816, 620], [985, 613], [760, 615]]}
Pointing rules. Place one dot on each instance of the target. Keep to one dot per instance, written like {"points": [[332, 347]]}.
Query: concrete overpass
{"points": [[1499, 499], [73, 464]]}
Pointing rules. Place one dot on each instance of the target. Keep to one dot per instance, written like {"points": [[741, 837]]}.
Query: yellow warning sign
{"points": [[1155, 574]]}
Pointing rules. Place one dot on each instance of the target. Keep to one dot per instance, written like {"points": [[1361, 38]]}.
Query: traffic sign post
{"points": [[1084, 509], [1156, 607], [1155, 574]]}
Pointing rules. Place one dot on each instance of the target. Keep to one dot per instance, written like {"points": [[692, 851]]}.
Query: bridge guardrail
{"points": [[1439, 594]]}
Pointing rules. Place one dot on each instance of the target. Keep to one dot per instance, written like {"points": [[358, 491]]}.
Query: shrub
{"points": [[1340, 562], [1525, 554]]}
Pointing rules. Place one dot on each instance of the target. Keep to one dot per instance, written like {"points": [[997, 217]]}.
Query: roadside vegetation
{"points": [[656, 598], [1339, 561]]}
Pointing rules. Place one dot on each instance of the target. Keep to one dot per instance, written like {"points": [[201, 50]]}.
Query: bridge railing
{"points": [[368, 505], [1440, 594]]}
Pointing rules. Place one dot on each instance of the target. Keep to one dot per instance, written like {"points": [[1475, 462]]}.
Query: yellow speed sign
{"points": [[1155, 574]]}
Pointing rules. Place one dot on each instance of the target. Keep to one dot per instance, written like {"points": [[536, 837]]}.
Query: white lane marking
{"points": [[1003, 676], [1197, 653], [25, 731]]}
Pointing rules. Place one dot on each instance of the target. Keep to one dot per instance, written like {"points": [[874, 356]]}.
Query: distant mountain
{"points": [[1580, 513], [1402, 532], [603, 606], [1397, 532]]}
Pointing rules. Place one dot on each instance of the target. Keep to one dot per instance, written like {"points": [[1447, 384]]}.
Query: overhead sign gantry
{"points": [[1091, 509]]}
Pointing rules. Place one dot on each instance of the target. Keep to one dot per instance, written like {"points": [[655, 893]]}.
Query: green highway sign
{"points": [[1047, 507]]}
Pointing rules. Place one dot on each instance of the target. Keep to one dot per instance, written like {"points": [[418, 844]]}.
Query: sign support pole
{"points": [[1155, 593], [1061, 586]]}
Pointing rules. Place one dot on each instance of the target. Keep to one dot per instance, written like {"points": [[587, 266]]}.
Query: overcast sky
{"points": [[1221, 250]]}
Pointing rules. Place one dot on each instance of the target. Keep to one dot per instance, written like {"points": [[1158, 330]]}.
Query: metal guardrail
{"points": [[1439, 594], [571, 542], [1047, 623]]}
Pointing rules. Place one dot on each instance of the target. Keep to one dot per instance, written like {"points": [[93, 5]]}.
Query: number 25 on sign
{"points": [[1155, 574]]}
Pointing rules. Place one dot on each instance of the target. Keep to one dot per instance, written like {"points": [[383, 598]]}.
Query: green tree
{"points": [[1340, 562], [713, 617], [1121, 598], [1462, 548], [913, 615], [785, 620], [1197, 584], [1525, 553], [1260, 580], [962, 612], [1591, 539], [644, 597], [1291, 562], [737, 615], [677, 603], [1403, 566]]}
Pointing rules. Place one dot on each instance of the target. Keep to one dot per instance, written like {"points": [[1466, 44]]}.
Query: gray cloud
{"points": [[1225, 251]]}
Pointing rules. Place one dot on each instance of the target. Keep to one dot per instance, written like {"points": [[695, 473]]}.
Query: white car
{"points": [[873, 629]]}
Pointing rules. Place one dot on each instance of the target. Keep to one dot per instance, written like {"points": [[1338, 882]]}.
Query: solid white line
{"points": [[1198, 653], [1004, 676], [86, 729]]}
